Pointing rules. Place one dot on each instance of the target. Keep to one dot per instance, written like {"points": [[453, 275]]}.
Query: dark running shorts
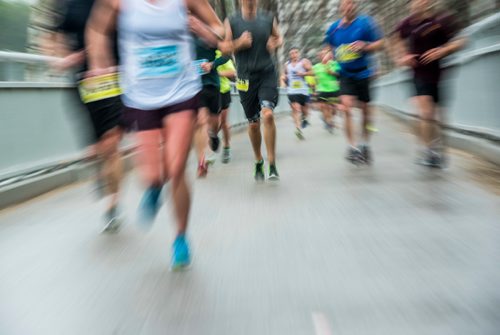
{"points": [[225, 99], [423, 88], [300, 99], [210, 99], [331, 97], [105, 115], [263, 86], [359, 88], [140, 120]]}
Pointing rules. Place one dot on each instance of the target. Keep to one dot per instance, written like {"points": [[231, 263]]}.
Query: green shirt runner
{"points": [[325, 82]]}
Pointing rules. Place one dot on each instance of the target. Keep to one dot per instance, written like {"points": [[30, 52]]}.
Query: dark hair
{"points": [[294, 48]]}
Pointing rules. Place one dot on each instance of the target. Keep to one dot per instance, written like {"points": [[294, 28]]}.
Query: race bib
{"points": [[242, 85], [297, 84], [158, 61], [99, 88], [343, 54]]}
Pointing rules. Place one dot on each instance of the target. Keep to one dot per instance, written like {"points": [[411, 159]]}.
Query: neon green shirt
{"points": [[225, 83], [325, 81]]}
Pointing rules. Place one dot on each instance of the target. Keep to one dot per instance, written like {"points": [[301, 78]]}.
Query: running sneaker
{"points": [[113, 221], [354, 156], [273, 173], [211, 159], [431, 159], [367, 154], [214, 143], [149, 207], [299, 134], [181, 257], [305, 123], [202, 169], [226, 155], [259, 171]]}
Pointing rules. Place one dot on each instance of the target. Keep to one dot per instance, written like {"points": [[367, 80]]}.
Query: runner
{"points": [[103, 105], [430, 36], [160, 91], [210, 105], [227, 73], [256, 36], [327, 88], [296, 69], [352, 39]]}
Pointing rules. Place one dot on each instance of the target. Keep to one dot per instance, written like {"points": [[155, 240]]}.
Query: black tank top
{"points": [[257, 58]]}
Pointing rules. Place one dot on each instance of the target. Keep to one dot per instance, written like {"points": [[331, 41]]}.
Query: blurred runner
{"points": [[423, 39], [227, 73], [352, 39], [296, 69], [160, 91], [327, 88], [101, 96], [253, 36]]}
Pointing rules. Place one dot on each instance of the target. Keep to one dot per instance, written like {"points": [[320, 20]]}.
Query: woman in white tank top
{"points": [[160, 91]]}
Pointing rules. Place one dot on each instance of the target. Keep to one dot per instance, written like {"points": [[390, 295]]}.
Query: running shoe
{"points": [[226, 155], [305, 123], [113, 221], [214, 143], [211, 159], [149, 207], [367, 154], [181, 258], [354, 156], [259, 171], [273, 173], [299, 134]]}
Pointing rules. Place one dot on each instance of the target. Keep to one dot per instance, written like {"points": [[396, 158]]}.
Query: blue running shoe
{"points": [[181, 257], [149, 207]]}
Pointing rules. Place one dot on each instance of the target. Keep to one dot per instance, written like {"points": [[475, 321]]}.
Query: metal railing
{"points": [[25, 67]]}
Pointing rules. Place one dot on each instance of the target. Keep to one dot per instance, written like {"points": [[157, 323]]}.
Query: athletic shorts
{"points": [[105, 115], [359, 88], [210, 99], [140, 120], [423, 87], [300, 99], [225, 99], [262, 89], [331, 97]]}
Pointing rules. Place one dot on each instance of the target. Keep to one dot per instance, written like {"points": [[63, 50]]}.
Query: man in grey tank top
{"points": [[253, 36]]}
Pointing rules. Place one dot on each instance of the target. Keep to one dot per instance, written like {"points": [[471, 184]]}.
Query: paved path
{"points": [[332, 249]]}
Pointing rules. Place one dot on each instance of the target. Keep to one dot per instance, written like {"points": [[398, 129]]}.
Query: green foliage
{"points": [[14, 18]]}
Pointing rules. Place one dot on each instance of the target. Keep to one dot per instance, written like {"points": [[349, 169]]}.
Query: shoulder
{"points": [[333, 26]]}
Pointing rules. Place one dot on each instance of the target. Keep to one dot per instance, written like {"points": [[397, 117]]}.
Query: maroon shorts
{"points": [[140, 120]]}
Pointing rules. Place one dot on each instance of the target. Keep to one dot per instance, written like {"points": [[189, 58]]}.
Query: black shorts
{"points": [[105, 115], [330, 97], [225, 99], [301, 99], [262, 90], [140, 120], [427, 88], [359, 88], [210, 99]]}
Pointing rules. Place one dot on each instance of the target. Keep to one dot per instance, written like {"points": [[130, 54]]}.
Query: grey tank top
{"points": [[257, 58]]}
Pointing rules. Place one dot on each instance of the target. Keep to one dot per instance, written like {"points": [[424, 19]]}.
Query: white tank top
{"points": [[157, 53], [296, 84]]}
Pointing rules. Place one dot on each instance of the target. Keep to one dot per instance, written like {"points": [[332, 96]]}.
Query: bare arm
{"points": [[98, 35], [202, 10], [276, 40], [306, 63]]}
